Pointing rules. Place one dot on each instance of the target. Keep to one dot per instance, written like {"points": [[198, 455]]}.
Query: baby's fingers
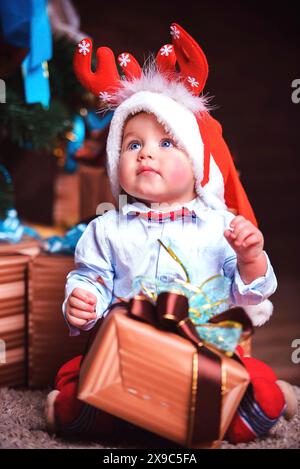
{"points": [[242, 235], [82, 305], [252, 239], [77, 313], [75, 321], [84, 295], [229, 235]]}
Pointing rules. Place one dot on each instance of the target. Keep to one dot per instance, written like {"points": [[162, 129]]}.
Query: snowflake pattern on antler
{"points": [[124, 60], [84, 47], [175, 32], [104, 96], [166, 50], [193, 82]]}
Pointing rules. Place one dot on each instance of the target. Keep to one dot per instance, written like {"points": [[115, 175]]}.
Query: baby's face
{"points": [[152, 168]]}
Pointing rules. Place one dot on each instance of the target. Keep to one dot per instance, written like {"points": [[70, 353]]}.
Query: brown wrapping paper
{"points": [[144, 375], [94, 189], [50, 345], [13, 275], [29, 247]]}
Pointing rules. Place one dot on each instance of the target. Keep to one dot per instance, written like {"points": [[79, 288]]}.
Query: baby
{"points": [[167, 157], [156, 170]]}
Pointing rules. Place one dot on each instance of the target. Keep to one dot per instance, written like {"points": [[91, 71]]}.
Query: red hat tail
{"points": [[234, 194]]}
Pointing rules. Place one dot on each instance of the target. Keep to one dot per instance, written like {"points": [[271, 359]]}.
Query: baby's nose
{"points": [[144, 154]]}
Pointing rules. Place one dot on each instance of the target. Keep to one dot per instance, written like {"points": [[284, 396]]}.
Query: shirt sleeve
{"points": [[92, 260], [253, 293]]}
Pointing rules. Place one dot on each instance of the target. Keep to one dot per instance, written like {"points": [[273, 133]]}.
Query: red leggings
{"points": [[259, 410], [74, 417]]}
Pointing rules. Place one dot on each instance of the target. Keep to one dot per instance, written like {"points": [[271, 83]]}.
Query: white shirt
{"points": [[119, 246]]}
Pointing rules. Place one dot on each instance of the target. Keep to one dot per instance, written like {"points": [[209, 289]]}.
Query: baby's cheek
{"points": [[180, 173]]}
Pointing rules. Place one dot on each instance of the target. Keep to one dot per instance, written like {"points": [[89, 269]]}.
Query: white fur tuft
{"points": [[261, 313], [156, 82]]}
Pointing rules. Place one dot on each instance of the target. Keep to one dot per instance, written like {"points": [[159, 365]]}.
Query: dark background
{"points": [[253, 54]]}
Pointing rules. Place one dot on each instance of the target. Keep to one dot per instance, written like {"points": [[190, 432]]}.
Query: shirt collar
{"points": [[196, 204]]}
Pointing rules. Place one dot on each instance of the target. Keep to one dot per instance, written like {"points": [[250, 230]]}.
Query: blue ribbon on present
{"points": [[25, 23], [65, 244], [12, 230], [225, 335], [206, 301]]}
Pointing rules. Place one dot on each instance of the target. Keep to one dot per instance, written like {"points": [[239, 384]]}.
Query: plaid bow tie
{"points": [[182, 214]]}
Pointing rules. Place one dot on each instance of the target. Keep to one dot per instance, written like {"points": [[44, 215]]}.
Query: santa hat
{"points": [[173, 97]]}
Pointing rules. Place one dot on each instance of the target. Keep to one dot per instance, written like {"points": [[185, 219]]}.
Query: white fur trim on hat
{"points": [[182, 124]]}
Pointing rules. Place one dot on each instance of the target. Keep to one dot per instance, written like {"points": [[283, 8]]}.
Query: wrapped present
{"points": [[94, 189], [14, 259], [66, 207], [166, 360], [28, 246], [148, 365], [50, 345], [13, 274]]}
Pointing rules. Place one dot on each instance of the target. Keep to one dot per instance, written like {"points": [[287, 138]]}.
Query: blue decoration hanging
{"points": [[75, 141], [95, 122], [76, 138], [25, 23]]}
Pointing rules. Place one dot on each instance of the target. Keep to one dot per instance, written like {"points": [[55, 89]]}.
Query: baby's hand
{"points": [[245, 239], [80, 308]]}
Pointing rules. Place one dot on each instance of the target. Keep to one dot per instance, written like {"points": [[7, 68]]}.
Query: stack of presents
{"points": [[168, 352], [34, 336]]}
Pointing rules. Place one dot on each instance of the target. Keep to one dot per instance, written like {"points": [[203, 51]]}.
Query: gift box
{"points": [[29, 247], [14, 259], [94, 189], [13, 303], [50, 345], [151, 377], [66, 206]]}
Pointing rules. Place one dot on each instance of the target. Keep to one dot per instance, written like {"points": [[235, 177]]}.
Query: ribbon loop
{"points": [[237, 315], [187, 330], [171, 308], [141, 308]]}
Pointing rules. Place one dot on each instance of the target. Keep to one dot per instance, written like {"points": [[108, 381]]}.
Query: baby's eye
{"points": [[134, 146], [167, 143]]}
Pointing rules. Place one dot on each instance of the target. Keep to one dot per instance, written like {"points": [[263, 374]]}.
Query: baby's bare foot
{"points": [[49, 411], [290, 399]]}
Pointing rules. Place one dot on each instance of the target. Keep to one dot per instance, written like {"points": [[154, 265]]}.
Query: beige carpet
{"points": [[22, 425]]}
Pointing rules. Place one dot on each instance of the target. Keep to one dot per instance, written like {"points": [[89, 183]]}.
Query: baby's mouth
{"points": [[147, 170]]}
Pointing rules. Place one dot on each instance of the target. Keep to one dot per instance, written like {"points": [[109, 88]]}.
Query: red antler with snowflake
{"points": [[191, 59], [105, 81]]}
